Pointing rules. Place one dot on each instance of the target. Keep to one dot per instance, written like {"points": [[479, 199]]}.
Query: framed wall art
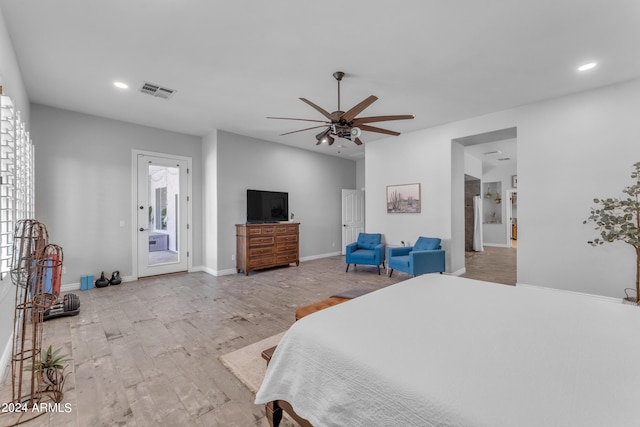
{"points": [[403, 198]]}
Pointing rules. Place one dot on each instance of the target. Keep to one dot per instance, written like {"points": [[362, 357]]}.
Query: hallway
{"points": [[493, 265]]}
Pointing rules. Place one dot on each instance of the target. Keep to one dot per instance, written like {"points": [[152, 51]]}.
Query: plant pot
{"points": [[628, 299]]}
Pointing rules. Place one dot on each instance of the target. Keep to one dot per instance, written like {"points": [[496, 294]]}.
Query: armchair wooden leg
{"points": [[347, 268], [390, 272], [378, 270]]}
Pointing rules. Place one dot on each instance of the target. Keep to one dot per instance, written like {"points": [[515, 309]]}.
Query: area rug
{"points": [[247, 363]]}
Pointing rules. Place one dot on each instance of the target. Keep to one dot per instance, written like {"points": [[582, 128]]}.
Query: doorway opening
{"points": [[162, 214], [490, 167]]}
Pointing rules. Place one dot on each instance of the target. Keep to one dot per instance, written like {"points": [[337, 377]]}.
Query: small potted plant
{"points": [[619, 219], [50, 371], [291, 217]]}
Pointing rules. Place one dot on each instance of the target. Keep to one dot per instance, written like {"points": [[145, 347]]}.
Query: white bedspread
{"points": [[438, 350]]}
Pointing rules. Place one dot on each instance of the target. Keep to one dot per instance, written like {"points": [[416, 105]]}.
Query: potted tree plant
{"points": [[619, 219]]}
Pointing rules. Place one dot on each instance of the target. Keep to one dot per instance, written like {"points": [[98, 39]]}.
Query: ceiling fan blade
{"points": [[378, 130], [357, 141], [357, 109], [373, 119], [302, 130], [319, 109], [302, 120]]}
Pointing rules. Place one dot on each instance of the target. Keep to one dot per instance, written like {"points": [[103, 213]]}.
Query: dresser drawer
{"points": [[288, 238], [267, 250], [286, 248], [260, 261], [287, 229], [284, 258], [261, 241], [263, 230]]}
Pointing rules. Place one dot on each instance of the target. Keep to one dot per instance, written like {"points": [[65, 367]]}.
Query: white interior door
{"points": [[162, 215], [352, 216]]}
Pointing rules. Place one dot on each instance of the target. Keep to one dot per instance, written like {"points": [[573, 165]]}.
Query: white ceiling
{"points": [[495, 154], [235, 63]]}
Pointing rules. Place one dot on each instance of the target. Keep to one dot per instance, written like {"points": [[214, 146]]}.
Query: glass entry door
{"points": [[162, 215]]}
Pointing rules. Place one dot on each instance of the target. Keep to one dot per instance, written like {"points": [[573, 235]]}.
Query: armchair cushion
{"points": [[427, 244], [369, 240]]}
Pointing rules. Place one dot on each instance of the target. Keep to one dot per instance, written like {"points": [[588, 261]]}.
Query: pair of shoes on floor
{"points": [[103, 282]]}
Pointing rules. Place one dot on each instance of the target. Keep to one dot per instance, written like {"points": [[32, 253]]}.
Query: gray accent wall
{"points": [[84, 186], [313, 181]]}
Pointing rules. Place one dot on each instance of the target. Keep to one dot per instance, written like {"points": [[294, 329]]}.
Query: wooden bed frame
{"points": [[274, 409], [274, 413]]}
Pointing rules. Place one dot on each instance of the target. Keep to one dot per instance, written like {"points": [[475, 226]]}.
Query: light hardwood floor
{"points": [[145, 353], [493, 265]]}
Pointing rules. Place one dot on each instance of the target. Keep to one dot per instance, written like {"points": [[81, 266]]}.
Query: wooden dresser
{"points": [[266, 245]]}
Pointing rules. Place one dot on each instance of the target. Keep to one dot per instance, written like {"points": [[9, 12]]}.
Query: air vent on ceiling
{"points": [[157, 91]]}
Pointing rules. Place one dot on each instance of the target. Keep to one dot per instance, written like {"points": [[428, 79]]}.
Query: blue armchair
{"points": [[366, 251], [426, 256]]}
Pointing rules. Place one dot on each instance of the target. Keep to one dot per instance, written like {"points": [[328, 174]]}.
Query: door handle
{"points": [[344, 225], [143, 229]]}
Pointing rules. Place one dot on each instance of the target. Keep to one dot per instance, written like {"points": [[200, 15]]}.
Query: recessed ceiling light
{"points": [[121, 85], [588, 66]]}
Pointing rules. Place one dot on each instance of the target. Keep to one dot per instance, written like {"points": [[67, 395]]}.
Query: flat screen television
{"points": [[267, 206]]}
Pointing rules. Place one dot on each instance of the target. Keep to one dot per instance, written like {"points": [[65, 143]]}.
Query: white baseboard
{"points": [[542, 288], [458, 272], [6, 359], [231, 271], [212, 272], [327, 255], [70, 287], [497, 245], [76, 286]]}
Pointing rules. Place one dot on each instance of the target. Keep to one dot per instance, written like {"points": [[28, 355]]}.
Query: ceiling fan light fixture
{"points": [[322, 136], [345, 124]]}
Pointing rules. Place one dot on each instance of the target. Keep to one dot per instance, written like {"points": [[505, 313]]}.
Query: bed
{"points": [[439, 350]]}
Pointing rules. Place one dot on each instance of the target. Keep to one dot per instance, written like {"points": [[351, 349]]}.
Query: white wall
{"points": [[416, 157], [313, 181], [13, 86], [570, 150], [360, 175], [10, 77], [472, 166], [83, 186], [455, 247], [210, 201]]}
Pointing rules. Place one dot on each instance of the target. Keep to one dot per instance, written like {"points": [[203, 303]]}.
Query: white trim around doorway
{"points": [[134, 202]]}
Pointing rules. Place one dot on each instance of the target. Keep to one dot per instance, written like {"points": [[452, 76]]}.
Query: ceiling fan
{"points": [[345, 124]]}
